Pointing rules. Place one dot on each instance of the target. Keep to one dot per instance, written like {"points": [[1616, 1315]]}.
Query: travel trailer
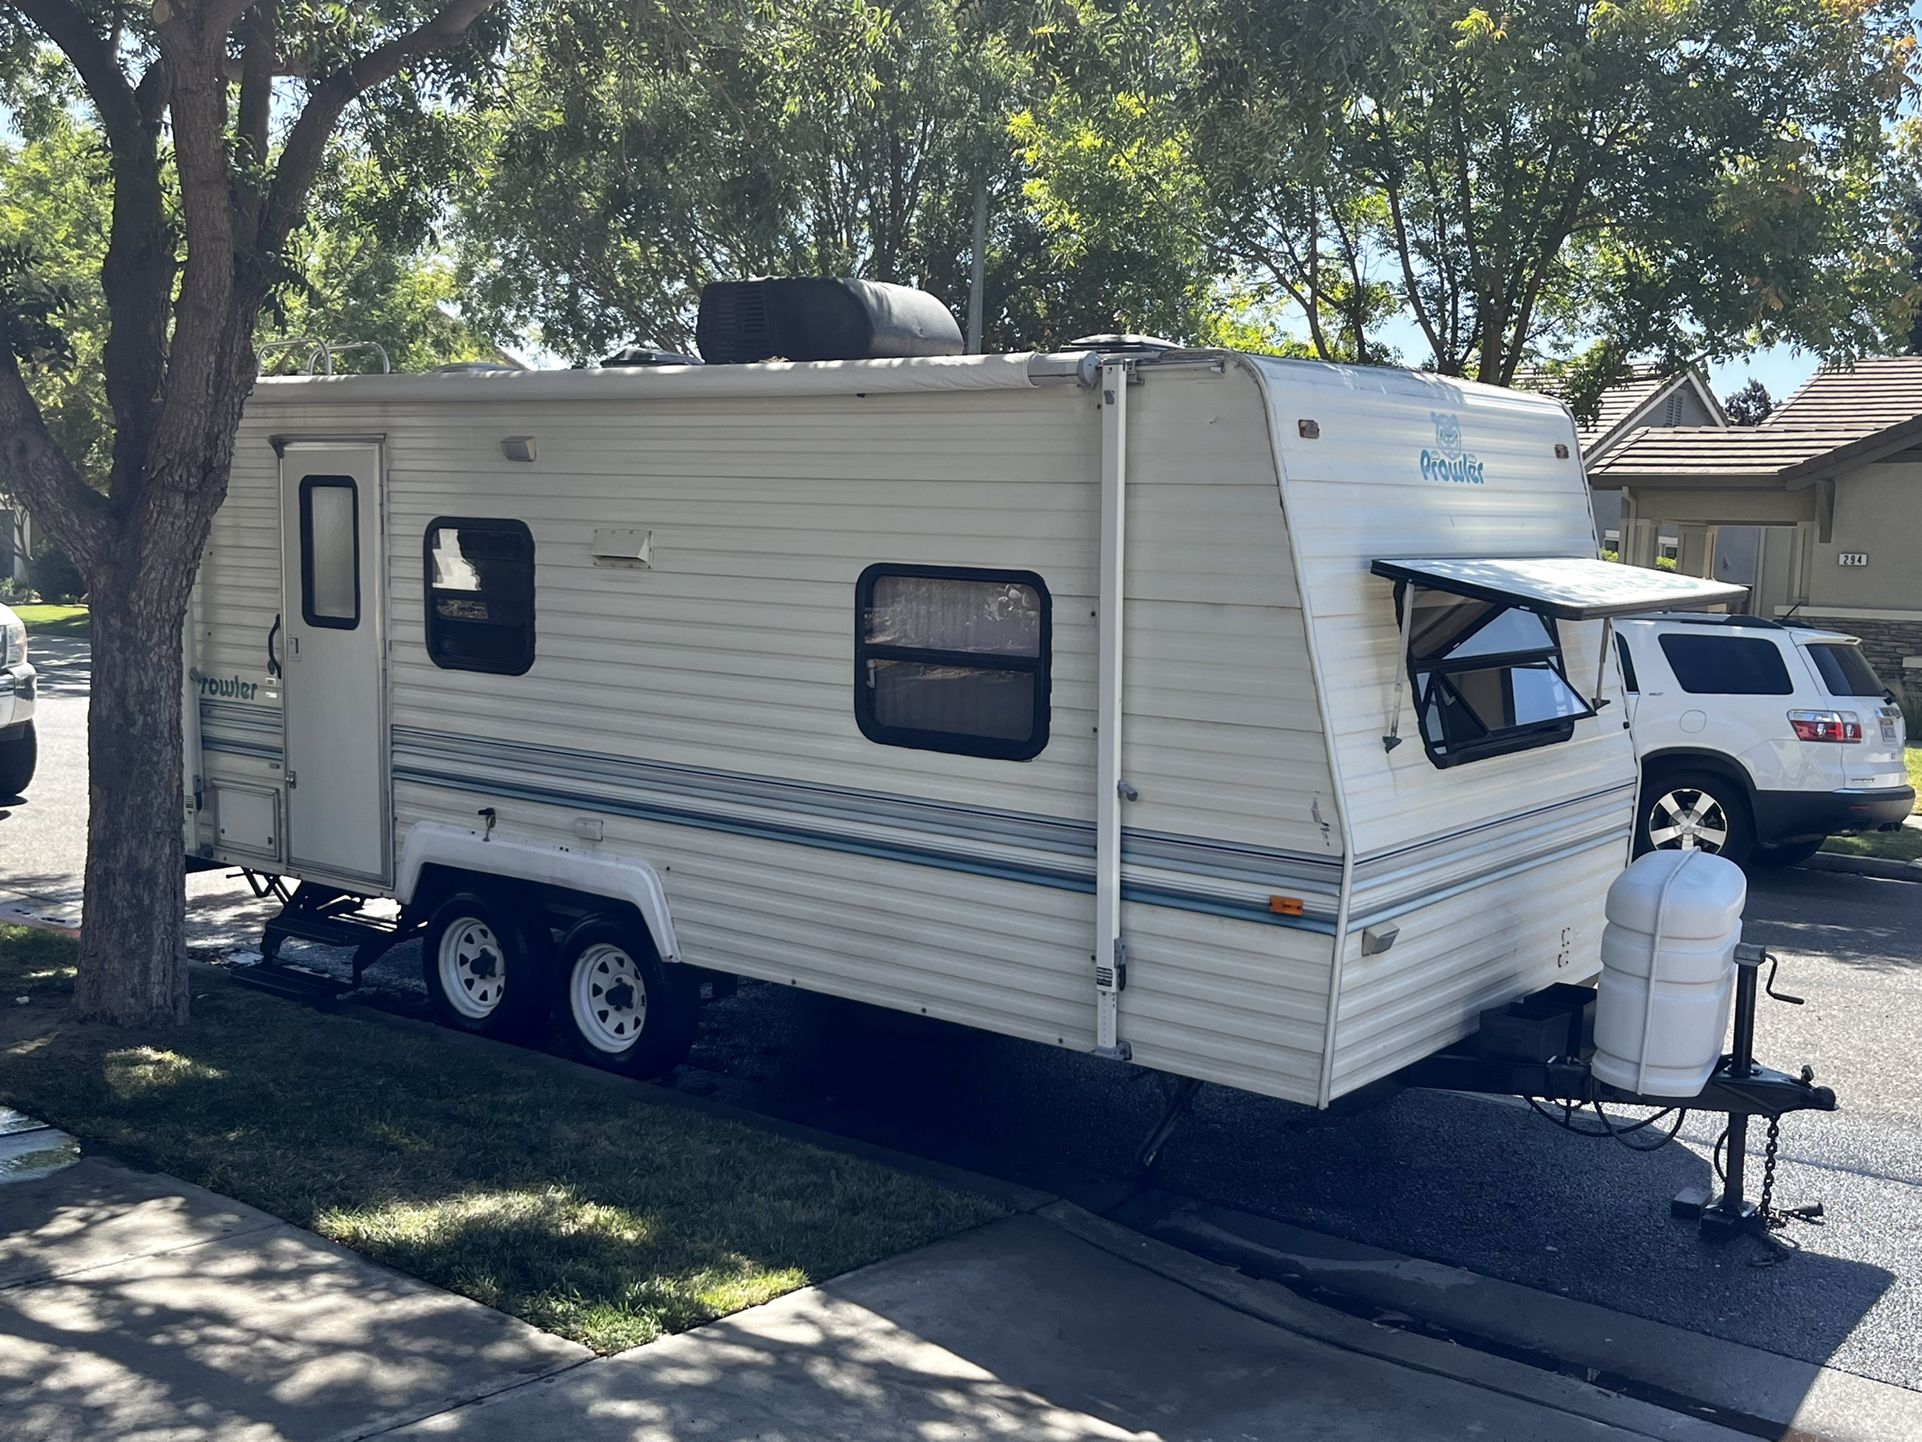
{"points": [[1250, 720]]}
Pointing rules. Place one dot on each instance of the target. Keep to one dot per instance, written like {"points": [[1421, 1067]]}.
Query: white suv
{"points": [[17, 683], [1757, 739]]}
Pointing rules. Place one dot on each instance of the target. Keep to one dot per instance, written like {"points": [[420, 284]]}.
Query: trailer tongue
{"points": [[1738, 1086]]}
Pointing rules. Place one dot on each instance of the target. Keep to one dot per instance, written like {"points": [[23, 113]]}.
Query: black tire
{"points": [[482, 968], [1791, 853], [618, 1006], [18, 758], [1711, 810]]}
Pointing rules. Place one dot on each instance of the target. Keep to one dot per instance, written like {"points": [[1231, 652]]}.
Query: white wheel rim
{"points": [[1687, 819], [608, 998], [473, 968]]}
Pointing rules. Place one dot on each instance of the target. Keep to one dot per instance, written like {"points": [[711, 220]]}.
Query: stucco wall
{"points": [[1878, 509]]}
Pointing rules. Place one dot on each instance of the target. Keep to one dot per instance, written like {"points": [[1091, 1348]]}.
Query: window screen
{"points": [[480, 596], [330, 552], [1845, 670], [1488, 679], [953, 660], [1722, 665]]}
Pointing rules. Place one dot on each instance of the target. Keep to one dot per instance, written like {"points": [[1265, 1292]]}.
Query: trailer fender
{"points": [[620, 878]]}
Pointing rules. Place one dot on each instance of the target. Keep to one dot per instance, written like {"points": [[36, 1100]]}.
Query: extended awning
{"points": [[1572, 588]]}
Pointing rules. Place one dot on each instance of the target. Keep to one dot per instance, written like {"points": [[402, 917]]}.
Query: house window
{"points": [[330, 552], [1722, 665], [955, 660], [480, 595], [1489, 679]]}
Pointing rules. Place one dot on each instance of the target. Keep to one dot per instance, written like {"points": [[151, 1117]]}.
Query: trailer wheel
{"points": [[481, 968], [17, 759], [621, 1009]]}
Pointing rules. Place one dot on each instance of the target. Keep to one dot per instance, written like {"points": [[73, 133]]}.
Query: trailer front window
{"points": [[1488, 679], [952, 659], [480, 595]]}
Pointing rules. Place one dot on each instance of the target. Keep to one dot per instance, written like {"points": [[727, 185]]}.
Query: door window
{"points": [[330, 552]]}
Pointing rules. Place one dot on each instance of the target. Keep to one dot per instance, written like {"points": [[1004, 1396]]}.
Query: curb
{"points": [[1736, 1385], [1269, 1302], [1876, 866]]}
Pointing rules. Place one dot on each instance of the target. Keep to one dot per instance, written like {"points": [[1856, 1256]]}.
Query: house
{"points": [[1833, 479], [1648, 397]]}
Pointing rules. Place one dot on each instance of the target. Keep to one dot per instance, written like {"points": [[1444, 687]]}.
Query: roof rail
{"points": [[321, 353]]}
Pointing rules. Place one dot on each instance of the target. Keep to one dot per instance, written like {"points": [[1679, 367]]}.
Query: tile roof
{"points": [[1872, 408], [1870, 396], [1780, 452], [1614, 406]]}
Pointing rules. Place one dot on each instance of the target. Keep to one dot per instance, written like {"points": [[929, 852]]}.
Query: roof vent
{"points": [[640, 355], [808, 318]]}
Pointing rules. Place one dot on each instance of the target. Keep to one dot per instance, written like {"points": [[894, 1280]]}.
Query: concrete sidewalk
{"points": [[136, 1305]]}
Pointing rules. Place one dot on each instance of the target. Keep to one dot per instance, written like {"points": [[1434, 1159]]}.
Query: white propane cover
{"points": [[1668, 972]]}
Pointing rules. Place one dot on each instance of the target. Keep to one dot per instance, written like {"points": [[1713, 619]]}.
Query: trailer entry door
{"points": [[333, 688]]}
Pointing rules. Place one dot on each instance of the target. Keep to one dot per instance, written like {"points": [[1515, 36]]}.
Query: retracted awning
{"points": [[1573, 588]]}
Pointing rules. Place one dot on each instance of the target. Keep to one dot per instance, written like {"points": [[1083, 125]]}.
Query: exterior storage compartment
{"points": [[1668, 972]]}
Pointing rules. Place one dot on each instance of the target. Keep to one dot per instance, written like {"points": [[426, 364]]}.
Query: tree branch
{"points": [[92, 56], [35, 469], [306, 145]]}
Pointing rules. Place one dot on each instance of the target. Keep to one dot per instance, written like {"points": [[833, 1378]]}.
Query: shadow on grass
{"points": [[579, 1207]]}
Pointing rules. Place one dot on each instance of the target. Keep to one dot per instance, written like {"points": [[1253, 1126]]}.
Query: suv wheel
{"points": [[1695, 811], [17, 758]]}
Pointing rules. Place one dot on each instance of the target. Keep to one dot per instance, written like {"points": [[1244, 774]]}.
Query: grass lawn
{"points": [[1903, 845], [54, 621], [578, 1206]]}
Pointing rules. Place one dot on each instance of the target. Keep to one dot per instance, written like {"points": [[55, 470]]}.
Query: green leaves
{"points": [[31, 308]]}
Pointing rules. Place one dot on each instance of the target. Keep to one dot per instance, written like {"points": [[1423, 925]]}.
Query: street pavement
{"points": [[1478, 1183]]}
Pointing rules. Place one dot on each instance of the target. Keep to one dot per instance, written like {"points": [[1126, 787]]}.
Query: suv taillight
{"points": [[1826, 725]]}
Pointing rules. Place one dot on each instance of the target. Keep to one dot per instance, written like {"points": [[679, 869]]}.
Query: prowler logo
{"points": [[1448, 461], [227, 688]]}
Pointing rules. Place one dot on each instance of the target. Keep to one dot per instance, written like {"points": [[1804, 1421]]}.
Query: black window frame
{"points": [[328, 481], [955, 743], [431, 619], [1451, 750], [1627, 659]]}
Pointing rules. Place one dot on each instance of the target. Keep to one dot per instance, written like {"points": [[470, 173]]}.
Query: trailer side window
{"points": [[1489, 679], [480, 595], [952, 659], [330, 552]]}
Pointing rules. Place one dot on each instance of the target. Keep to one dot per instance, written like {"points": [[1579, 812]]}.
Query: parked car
{"points": [[18, 749], [1758, 740]]}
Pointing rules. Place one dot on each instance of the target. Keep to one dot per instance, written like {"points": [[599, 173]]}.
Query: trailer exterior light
{"points": [[1840, 726], [1285, 905]]}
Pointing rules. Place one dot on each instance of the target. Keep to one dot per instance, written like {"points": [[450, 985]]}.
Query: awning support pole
{"points": [[1601, 663], [1406, 595], [1110, 955]]}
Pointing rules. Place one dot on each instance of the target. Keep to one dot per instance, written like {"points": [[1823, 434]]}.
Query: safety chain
{"points": [[1772, 1220]]}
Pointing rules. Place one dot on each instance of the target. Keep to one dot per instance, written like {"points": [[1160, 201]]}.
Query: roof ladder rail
{"points": [[1110, 954]]}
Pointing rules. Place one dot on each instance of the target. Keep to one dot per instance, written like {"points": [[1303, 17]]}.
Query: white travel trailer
{"points": [[1252, 720]]}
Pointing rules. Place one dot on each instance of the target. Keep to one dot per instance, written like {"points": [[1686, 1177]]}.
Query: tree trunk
{"points": [[132, 964]]}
